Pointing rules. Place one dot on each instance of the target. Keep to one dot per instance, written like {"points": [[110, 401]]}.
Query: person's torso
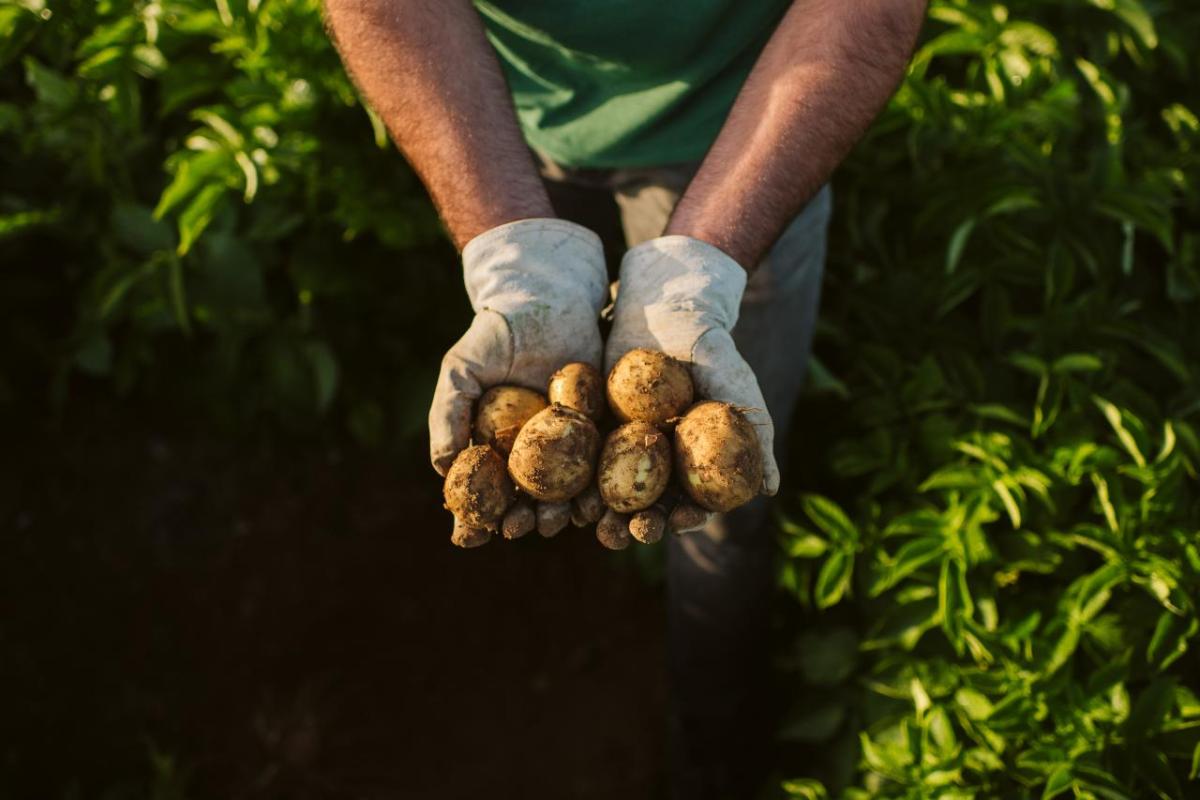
{"points": [[619, 83]]}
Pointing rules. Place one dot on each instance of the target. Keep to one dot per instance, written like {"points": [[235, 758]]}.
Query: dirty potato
{"points": [[554, 456], [635, 466], [578, 386], [718, 457], [501, 412], [649, 386]]}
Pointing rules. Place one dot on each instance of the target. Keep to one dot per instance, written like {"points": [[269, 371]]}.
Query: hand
{"points": [[681, 296], [537, 286]]}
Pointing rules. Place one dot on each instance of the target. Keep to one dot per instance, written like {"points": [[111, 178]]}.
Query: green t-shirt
{"points": [[626, 83]]}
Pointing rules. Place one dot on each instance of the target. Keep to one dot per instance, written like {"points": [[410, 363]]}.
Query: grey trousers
{"points": [[719, 581]]}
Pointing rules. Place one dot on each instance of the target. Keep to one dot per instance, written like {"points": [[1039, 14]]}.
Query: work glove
{"points": [[681, 296], [537, 287]]}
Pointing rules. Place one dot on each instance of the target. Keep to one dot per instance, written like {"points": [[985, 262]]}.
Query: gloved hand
{"points": [[537, 287], [681, 296]]}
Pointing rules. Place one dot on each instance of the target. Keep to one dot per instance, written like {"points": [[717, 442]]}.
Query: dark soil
{"points": [[186, 615]]}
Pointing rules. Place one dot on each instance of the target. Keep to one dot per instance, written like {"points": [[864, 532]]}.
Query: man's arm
{"points": [[823, 76], [428, 71]]}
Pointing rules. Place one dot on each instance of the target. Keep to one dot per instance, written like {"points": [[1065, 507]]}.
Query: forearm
{"points": [[427, 69], [827, 70]]}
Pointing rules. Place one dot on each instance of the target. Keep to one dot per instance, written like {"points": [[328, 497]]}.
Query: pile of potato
{"points": [[539, 462]]}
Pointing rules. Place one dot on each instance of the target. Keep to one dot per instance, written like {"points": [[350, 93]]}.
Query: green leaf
{"points": [[1113, 415], [911, 556], [815, 723], [1133, 14], [975, 704], [805, 545], [325, 371], [177, 295], [1096, 589], [198, 214], [1010, 503], [834, 578], [51, 88], [1063, 649], [195, 172], [827, 658], [95, 355], [137, 228], [1077, 362], [1150, 709], [12, 224], [1169, 641], [1156, 770], [958, 242], [1102, 496], [830, 518], [1058, 782], [954, 600], [1000, 413], [805, 789]]}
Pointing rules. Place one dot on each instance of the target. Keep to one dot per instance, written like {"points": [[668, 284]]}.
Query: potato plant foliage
{"points": [[993, 580], [998, 568], [195, 204]]}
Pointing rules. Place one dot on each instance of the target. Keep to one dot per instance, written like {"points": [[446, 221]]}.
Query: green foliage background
{"points": [[994, 593]]}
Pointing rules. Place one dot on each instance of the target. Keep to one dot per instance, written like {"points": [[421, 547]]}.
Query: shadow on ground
{"points": [[186, 616]]}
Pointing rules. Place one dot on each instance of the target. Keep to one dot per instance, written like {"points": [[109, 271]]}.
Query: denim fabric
{"points": [[719, 581]]}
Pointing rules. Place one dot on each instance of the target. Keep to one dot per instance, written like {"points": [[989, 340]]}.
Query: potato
{"points": [[554, 456], [687, 517], [478, 490], [649, 386], [466, 536], [613, 530], [588, 507], [519, 520], [635, 466], [501, 413], [647, 526], [552, 518], [578, 386], [718, 456]]}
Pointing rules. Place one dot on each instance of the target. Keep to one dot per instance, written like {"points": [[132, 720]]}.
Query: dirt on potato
{"points": [[649, 386], [554, 457], [718, 457]]}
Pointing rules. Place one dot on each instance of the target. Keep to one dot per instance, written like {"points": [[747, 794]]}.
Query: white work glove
{"points": [[681, 296], [537, 287]]}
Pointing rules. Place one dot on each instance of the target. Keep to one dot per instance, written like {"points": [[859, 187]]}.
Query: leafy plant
{"points": [[196, 204], [1012, 314]]}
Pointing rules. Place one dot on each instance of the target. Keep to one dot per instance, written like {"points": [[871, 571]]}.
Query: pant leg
{"points": [[720, 580]]}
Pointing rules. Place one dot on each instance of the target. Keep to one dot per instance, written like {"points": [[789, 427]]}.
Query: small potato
{"points": [[647, 526], [718, 457], [613, 530], [635, 466], [579, 386], [465, 536], [519, 520], [478, 490], [501, 413], [687, 517], [587, 508], [552, 518], [649, 386], [554, 456]]}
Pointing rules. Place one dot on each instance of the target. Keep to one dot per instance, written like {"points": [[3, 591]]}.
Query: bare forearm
{"points": [[827, 70], [429, 72]]}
